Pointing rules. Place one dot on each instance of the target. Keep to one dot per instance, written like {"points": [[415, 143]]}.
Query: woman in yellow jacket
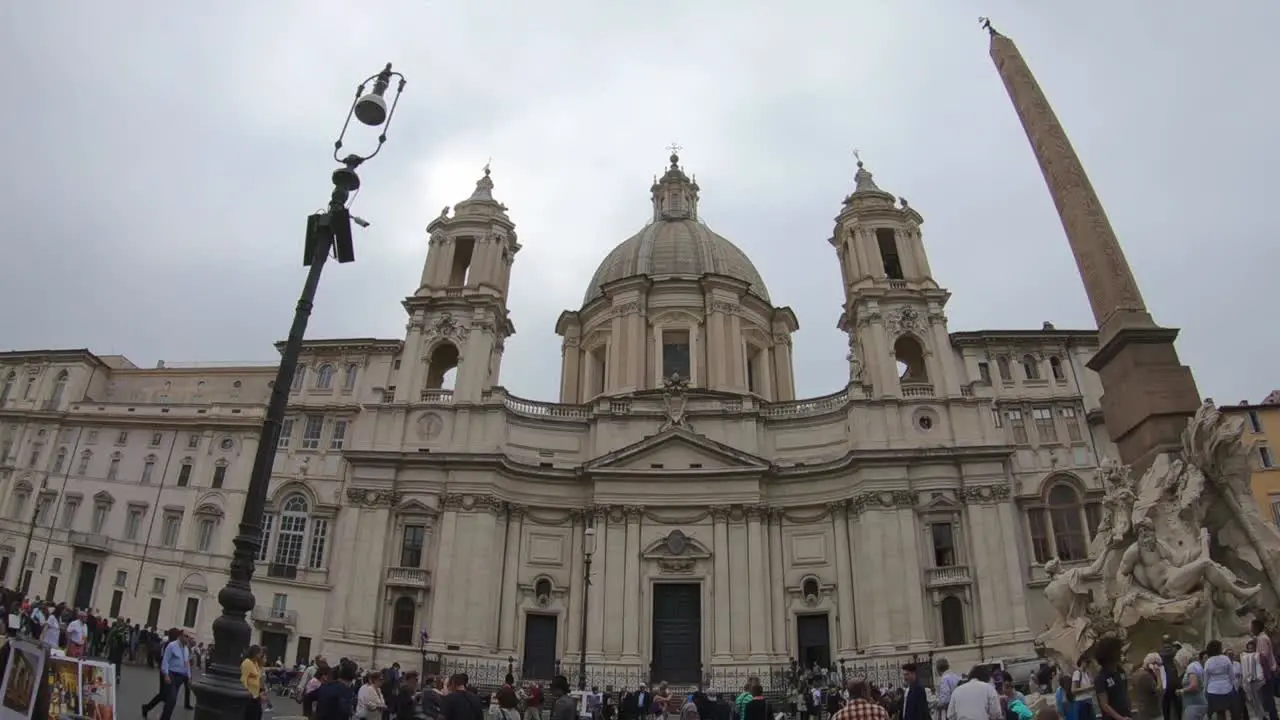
{"points": [[251, 678]]}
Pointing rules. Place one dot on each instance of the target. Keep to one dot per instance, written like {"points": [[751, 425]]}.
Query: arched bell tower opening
{"points": [[442, 367], [909, 354]]}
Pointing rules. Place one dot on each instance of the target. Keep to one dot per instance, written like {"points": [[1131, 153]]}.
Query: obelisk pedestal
{"points": [[1148, 394]]}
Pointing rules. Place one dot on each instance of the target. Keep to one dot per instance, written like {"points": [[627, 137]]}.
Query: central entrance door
{"points": [[540, 646], [677, 632], [84, 584], [814, 640]]}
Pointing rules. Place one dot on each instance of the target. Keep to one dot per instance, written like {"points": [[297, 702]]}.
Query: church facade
{"points": [[678, 509]]}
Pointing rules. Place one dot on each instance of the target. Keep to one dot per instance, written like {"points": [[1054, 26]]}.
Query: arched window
{"points": [[291, 536], [1030, 367], [442, 367], [148, 469], [951, 614], [113, 470], [59, 460], [402, 617], [910, 356], [7, 389], [83, 467], [324, 377], [1063, 526], [1002, 365], [1055, 367], [59, 388]]}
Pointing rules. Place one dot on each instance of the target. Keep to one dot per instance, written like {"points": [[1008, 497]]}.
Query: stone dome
{"points": [[676, 243], [672, 248]]}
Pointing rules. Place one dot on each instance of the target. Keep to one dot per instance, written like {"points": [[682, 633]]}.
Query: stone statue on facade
{"points": [[1182, 552], [856, 369]]}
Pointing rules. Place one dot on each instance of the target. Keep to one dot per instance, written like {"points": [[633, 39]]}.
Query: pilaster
{"points": [[781, 644], [721, 588], [844, 576], [631, 585], [348, 519], [913, 580], [482, 582], [758, 582], [511, 579], [595, 609], [443, 626], [371, 537]]}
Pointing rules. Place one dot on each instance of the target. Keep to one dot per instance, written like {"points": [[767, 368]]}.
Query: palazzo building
{"points": [[721, 520]]}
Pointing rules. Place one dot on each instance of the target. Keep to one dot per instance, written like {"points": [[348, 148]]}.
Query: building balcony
{"points": [[91, 542], [410, 577], [917, 389], [943, 576], [437, 397], [275, 616]]}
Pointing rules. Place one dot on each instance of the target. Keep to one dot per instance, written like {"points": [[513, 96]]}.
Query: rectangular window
{"points": [[133, 523], [169, 533], [92, 438], [286, 433], [156, 438], [264, 541], [193, 442], [52, 588], [1018, 426], [984, 372], [34, 460], [299, 377], [1072, 421], [1038, 523], [100, 514], [153, 612], [219, 476], [184, 475], [157, 586], [45, 505], [944, 544], [190, 613], [339, 437], [279, 602], [69, 510], [122, 578], [675, 353], [319, 539], [1265, 457], [411, 545], [117, 599], [1275, 510], [1255, 422], [1045, 428], [123, 438], [349, 381], [311, 432], [997, 417], [204, 539]]}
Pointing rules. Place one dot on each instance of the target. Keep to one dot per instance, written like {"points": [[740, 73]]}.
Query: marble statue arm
{"points": [[1124, 573]]}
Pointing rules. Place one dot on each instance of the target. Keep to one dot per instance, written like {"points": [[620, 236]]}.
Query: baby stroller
{"points": [[282, 681]]}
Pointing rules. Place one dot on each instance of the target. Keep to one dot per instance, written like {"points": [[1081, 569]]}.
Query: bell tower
{"points": [[458, 320], [893, 312]]}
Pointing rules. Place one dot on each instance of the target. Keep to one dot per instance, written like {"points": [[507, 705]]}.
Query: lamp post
{"points": [[588, 549], [220, 694]]}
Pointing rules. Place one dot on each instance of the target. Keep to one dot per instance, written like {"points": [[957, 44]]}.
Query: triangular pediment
{"points": [[677, 450]]}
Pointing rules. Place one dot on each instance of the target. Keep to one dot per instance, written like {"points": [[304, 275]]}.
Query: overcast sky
{"points": [[162, 156]]}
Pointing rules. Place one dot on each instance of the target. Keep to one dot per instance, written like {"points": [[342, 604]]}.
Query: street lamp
{"points": [[588, 549], [220, 694]]}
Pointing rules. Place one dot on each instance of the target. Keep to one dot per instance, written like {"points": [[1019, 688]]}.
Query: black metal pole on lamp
{"points": [[588, 549], [220, 694]]}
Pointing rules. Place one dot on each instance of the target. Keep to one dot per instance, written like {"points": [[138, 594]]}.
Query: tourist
{"points": [[1194, 704], [369, 700], [77, 636], [336, 699], [1082, 689], [1267, 658], [508, 704], [251, 679], [51, 629], [1110, 683], [321, 676], [1148, 684], [975, 699], [1016, 704], [1219, 686], [950, 681], [861, 706], [1251, 680], [1064, 699], [744, 697], [563, 706], [915, 701]]}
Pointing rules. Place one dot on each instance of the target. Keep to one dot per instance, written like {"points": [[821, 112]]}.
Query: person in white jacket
{"points": [[369, 701]]}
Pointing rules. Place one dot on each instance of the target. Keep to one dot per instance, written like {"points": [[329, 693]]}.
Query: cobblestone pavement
{"points": [[138, 684]]}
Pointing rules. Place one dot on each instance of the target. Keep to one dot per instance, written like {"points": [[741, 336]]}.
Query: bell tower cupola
{"points": [[458, 320], [893, 314]]}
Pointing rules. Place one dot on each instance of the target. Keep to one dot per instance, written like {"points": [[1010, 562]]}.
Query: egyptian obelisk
{"points": [[1147, 393]]}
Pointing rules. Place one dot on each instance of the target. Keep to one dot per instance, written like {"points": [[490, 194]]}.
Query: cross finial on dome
{"points": [[675, 149]]}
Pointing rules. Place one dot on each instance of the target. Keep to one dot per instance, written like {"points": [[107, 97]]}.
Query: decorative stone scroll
{"points": [[883, 500], [373, 498]]}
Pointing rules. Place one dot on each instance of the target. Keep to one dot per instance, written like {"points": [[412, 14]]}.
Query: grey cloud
{"points": [[160, 159]]}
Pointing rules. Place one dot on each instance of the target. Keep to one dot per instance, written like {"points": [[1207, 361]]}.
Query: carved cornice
{"points": [[627, 308], [719, 513], [883, 500], [460, 502], [985, 494], [782, 339], [373, 498], [633, 513], [726, 307], [451, 502], [755, 512]]}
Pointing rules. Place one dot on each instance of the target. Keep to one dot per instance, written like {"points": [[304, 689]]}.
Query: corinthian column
{"points": [[1149, 394], [756, 573]]}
